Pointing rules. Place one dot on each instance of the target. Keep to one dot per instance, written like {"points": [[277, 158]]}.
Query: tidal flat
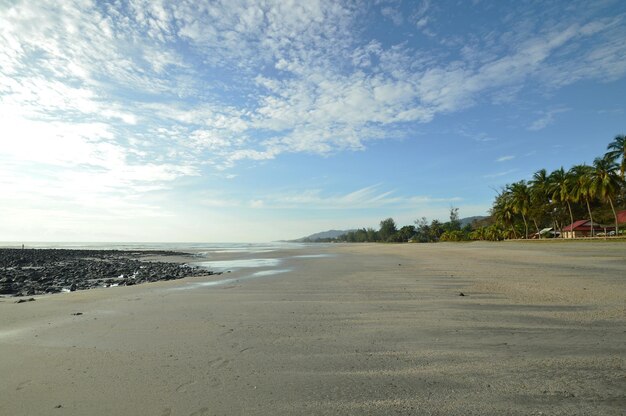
{"points": [[361, 329]]}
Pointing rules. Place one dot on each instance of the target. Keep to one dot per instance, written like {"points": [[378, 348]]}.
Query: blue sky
{"points": [[137, 120]]}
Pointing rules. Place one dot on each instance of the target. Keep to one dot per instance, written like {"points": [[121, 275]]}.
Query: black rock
{"points": [[29, 271]]}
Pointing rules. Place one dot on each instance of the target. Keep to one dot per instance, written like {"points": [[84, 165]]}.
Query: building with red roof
{"points": [[582, 228]]}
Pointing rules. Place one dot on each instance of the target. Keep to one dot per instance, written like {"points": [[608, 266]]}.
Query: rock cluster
{"points": [[37, 271]]}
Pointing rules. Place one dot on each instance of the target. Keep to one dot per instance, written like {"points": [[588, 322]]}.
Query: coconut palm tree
{"points": [[494, 233], [539, 187], [581, 187], [502, 210], [520, 201], [605, 183], [560, 189], [616, 151]]}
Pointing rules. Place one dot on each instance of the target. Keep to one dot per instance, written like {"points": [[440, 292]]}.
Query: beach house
{"points": [[582, 228]]}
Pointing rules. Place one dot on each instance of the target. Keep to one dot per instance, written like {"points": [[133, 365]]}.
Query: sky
{"points": [[250, 121]]}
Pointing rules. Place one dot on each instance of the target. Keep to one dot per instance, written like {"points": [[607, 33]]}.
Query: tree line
{"points": [[422, 231], [594, 192], [549, 200]]}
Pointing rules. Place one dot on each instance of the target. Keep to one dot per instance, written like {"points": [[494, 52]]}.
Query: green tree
{"points": [[435, 229], [520, 201], [581, 188], [560, 189], [540, 203], [422, 230], [387, 229], [502, 210], [605, 183], [455, 223], [406, 233], [494, 233], [479, 234], [372, 234], [616, 151], [454, 235], [360, 235]]}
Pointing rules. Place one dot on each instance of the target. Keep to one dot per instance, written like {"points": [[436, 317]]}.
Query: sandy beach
{"points": [[370, 329]]}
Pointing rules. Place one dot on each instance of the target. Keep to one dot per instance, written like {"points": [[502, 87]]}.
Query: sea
{"points": [[209, 247], [236, 262]]}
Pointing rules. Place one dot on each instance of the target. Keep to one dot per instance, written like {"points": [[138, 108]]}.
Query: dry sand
{"points": [[370, 330]]}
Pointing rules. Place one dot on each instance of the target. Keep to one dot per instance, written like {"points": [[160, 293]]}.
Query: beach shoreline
{"points": [[345, 329]]}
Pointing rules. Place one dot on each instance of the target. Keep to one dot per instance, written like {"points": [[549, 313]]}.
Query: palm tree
{"points": [[581, 187], [539, 196], [502, 210], [560, 189], [520, 201], [605, 183], [494, 233], [617, 150]]}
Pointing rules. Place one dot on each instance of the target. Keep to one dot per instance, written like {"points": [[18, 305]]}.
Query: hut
{"points": [[582, 228]]}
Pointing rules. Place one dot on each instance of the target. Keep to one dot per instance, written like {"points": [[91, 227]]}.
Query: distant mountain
{"points": [[322, 235], [469, 220]]}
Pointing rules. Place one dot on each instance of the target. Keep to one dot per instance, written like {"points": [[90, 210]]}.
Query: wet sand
{"points": [[369, 330]]}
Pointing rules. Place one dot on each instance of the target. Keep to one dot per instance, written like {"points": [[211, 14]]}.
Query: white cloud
{"points": [[546, 119], [328, 92], [505, 158], [421, 18], [393, 14], [371, 197], [499, 174], [117, 100]]}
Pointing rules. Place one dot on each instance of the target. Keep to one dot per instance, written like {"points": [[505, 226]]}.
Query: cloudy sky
{"points": [[244, 120]]}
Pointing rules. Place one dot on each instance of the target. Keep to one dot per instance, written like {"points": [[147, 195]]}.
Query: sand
{"points": [[368, 330]]}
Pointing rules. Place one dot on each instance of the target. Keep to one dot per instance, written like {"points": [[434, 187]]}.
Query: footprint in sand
{"points": [[183, 387], [218, 363], [23, 384]]}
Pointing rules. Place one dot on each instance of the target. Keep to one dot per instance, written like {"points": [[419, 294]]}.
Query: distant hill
{"points": [[322, 235], [469, 220]]}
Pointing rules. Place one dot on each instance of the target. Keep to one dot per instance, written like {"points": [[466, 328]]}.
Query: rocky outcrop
{"points": [[37, 271]]}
